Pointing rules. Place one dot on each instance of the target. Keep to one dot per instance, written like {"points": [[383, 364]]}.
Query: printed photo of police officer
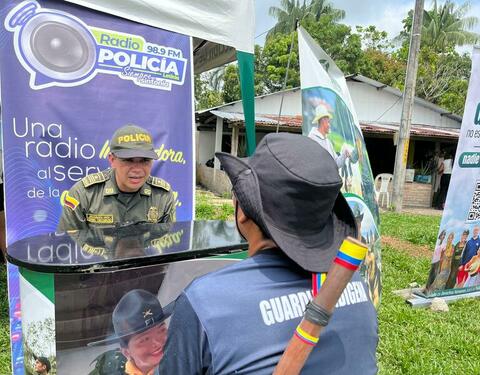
{"points": [[140, 331]]}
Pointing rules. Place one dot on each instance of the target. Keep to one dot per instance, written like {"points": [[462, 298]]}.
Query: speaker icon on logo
{"points": [[56, 48]]}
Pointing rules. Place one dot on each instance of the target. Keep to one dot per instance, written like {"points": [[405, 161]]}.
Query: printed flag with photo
{"points": [[329, 118]]}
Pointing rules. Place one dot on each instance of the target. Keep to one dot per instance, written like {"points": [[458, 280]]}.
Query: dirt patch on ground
{"points": [[407, 247]]}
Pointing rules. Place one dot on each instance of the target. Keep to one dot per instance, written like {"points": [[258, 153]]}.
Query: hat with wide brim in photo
{"points": [[320, 112], [136, 312], [131, 141], [290, 188]]}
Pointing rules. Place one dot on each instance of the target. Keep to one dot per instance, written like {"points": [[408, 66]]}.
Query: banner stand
{"points": [[415, 298]]}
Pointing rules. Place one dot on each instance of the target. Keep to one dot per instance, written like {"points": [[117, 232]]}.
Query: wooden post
{"points": [[407, 109], [234, 149], [218, 140]]}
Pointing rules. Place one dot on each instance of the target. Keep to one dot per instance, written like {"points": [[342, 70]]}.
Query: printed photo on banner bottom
{"points": [[455, 265], [38, 323], [117, 322]]}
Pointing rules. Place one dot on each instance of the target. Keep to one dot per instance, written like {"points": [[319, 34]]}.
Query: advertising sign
{"points": [[70, 77], [455, 263], [330, 119]]}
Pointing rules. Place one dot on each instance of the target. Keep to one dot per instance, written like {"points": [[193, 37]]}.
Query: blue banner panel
{"points": [[70, 77]]}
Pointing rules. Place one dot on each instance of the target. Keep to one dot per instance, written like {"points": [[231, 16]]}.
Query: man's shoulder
{"points": [[159, 183], [223, 278], [242, 274], [95, 178]]}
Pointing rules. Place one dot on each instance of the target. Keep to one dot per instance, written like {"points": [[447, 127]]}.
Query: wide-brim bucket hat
{"points": [[136, 312], [290, 188]]}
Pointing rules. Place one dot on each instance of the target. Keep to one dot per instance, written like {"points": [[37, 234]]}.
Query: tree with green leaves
{"points": [[445, 26], [275, 56], [448, 26], [205, 95], [231, 84], [292, 10]]}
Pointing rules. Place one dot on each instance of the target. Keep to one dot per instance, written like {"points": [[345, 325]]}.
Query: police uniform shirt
{"points": [[240, 319], [96, 201]]}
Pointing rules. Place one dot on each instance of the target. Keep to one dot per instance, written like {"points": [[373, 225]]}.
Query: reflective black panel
{"points": [[135, 245]]}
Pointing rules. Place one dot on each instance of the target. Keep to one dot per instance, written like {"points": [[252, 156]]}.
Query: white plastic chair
{"points": [[382, 191]]}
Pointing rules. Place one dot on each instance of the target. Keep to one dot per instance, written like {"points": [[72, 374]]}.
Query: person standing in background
{"points": [[445, 180], [437, 175]]}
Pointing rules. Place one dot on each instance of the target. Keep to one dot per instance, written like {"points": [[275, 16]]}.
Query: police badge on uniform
{"points": [[152, 215]]}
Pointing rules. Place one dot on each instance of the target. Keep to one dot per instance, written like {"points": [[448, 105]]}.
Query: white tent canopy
{"points": [[221, 22], [222, 31]]}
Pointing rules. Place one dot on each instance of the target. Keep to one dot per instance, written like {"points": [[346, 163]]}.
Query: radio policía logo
{"points": [[59, 49]]}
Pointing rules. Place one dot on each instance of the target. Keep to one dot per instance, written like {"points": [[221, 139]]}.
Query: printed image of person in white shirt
{"points": [[320, 134]]}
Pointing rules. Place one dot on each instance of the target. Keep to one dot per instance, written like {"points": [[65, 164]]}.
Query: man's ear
{"points": [[110, 159], [125, 352], [241, 217]]}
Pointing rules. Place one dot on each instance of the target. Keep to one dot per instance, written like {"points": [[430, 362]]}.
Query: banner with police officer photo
{"points": [[455, 265], [329, 119], [70, 77]]}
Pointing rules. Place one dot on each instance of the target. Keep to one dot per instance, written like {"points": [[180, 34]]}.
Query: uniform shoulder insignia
{"points": [[158, 182], [94, 178]]}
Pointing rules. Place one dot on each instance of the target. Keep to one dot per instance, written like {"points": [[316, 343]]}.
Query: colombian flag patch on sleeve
{"points": [[71, 202]]}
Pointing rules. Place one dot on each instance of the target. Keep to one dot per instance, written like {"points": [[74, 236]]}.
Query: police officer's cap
{"points": [[132, 141]]}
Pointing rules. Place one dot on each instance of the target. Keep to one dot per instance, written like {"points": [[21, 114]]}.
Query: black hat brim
{"points": [[245, 186], [126, 154], [313, 253], [167, 312]]}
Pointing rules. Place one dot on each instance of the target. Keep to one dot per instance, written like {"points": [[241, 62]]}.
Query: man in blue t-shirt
{"points": [[239, 319]]}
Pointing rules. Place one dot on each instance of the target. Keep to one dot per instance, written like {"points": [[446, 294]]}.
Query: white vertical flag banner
{"points": [[455, 267], [330, 120]]}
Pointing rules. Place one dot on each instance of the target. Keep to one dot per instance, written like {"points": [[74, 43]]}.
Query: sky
{"points": [[386, 15]]}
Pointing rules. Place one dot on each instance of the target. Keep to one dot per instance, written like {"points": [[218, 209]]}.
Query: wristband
{"points": [[316, 314], [305, 337], [350, 255]]}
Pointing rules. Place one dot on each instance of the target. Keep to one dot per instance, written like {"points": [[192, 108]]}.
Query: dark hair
{"points": [[466, 231], [442, 233], [44, 361], [123, 343]]}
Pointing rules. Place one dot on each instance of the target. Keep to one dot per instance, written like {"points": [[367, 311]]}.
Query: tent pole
{"points": [[247, 85]]}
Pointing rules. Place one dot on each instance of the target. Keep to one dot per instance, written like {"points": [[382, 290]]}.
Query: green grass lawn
{"points": [[417, 229], [417, 342]]}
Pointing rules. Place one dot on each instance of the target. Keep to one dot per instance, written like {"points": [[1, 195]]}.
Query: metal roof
{"points": [[294, 123]]}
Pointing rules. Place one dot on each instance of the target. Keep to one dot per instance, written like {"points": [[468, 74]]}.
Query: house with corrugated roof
{"points": [[378, 108]]}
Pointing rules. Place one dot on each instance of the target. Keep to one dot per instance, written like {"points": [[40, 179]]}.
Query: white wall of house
{"points": [[372, 105], [205, 146], [380, 105]]}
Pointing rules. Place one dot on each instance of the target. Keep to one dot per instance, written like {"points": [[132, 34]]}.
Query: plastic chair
{"points": [[382, 191]]}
